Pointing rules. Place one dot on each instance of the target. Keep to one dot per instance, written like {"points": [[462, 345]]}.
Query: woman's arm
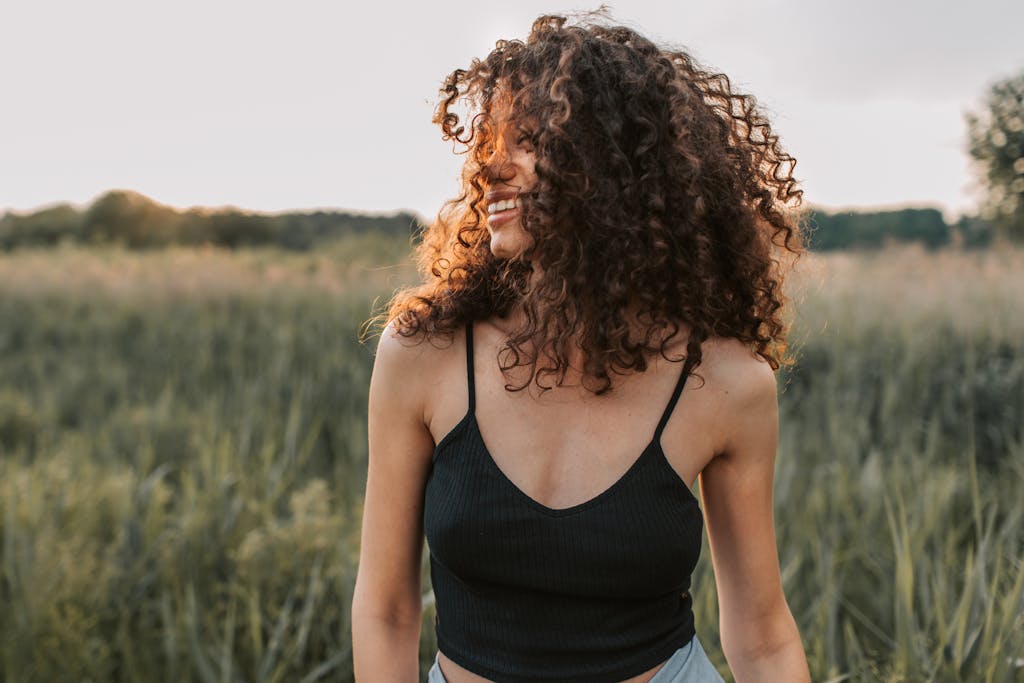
{"points": [[759, 635], [386, 604]]}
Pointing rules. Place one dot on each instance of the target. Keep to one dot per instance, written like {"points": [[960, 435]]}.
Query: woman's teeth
{"points": [[503, 205]]}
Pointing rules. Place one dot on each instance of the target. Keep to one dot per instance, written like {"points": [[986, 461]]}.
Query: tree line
{"points": [[133, 220], [873, 229]]}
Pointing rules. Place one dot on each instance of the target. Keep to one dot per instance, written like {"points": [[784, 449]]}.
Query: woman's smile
{"points": [[501, 212]]}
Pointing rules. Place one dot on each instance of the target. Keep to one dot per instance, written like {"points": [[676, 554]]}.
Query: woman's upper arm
{"points": [[736, 489], [400, 450]]}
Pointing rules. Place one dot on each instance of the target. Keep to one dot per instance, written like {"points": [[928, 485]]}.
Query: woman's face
{"points": [[508, 169]]}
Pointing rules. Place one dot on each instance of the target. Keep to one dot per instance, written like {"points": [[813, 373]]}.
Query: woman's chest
{"points": [[639, 536]]}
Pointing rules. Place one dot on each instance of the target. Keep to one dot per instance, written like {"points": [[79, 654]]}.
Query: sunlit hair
{"points": [[662, 196]]}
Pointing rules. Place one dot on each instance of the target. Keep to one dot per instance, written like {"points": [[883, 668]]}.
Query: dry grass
{"points": [[359, 262], [182, 453]]}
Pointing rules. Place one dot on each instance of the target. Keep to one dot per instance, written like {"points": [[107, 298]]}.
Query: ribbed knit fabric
{"points": [[596, 592]]}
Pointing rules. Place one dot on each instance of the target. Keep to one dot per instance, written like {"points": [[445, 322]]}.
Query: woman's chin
{"points": [[510, 242], [501, 253], [502, 250]]}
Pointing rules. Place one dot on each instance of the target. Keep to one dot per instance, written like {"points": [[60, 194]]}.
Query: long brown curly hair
{"points": [[661, 194]]}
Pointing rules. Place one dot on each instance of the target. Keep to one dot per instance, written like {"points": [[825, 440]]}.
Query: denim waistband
{"points": [[688, 664]]}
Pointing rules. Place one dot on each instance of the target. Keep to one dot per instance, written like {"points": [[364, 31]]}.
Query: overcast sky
{"points": [[312, 104]]}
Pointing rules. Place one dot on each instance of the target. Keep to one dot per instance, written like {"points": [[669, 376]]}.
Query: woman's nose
{"points": [[499, 167]]}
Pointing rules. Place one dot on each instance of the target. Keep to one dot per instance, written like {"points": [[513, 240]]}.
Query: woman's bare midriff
{"points": [[453, 673]]}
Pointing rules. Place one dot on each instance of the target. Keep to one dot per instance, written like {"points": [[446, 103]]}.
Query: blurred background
{"points": [[202, 203]]}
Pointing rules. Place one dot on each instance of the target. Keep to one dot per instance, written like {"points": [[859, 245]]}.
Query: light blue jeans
{"points": [[688, 664]]}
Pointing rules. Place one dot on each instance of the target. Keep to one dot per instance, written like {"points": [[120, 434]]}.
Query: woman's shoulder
{"points": [[416, 354], [417, 364], [740, 377]]}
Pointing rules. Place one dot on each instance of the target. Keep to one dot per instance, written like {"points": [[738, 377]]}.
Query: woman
{"points": [[623, 222]]}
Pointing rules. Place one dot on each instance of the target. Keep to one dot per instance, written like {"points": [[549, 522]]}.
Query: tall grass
{"points": [[182, 460]]}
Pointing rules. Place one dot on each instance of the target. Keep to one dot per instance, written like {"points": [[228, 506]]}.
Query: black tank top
{"points": [[596, 592]]}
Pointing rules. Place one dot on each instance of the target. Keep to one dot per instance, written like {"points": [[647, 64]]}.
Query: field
{"points": [[183, 449]]}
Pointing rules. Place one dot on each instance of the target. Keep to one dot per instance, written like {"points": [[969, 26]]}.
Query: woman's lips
{"points": [[498, 195], [499, 218]]}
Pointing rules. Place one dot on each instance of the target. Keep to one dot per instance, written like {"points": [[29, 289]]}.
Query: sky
{"points": [[310, 104]]}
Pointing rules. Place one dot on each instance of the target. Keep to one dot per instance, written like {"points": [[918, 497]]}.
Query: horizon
{"points": [[82, 206], [869, 99]]}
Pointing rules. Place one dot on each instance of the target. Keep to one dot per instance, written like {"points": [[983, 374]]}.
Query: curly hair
{"points": [[661, 193]]}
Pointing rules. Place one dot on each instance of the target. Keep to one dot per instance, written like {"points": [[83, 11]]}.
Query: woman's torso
{"points": [[569, 444]]}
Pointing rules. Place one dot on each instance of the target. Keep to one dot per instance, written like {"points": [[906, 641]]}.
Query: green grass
{"points": [[182, 460]]}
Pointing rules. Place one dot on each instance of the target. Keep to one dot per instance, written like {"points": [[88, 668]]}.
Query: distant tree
{"points": [[874, 229], [234, 228], [46, 227], [974, 232], [996, 142], [130, 219]]}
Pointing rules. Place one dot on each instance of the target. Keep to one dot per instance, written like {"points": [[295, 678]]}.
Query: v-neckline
{"points": [[653, 446], [636, 465]]}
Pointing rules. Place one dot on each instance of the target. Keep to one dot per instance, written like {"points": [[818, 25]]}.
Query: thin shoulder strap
{"points": [[680, 383], [469, 367]]}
